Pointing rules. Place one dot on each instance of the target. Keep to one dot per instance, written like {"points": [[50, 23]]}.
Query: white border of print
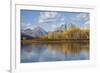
{"points": [[16, 66]]}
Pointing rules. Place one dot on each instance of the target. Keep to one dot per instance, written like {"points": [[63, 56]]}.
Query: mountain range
{"points": [[65, 27], [39, 32], [36, 32]]}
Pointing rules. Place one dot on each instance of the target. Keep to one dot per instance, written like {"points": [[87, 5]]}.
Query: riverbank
{"points": [[41, 41]]}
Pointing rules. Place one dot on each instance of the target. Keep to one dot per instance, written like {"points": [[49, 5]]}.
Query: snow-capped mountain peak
{"points": [[65, 27], [36, 32]]}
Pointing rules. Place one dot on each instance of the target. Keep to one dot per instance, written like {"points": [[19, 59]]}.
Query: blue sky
{"points": [[50, 20]]}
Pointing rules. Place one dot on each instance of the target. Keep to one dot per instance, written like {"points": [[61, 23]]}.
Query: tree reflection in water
{"points": [[54, 52]]}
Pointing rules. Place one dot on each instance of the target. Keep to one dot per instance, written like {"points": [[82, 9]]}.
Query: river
{"points": [[54, 52]]}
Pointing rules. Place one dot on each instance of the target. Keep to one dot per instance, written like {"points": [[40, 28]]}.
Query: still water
{"points": [[54, 52]]}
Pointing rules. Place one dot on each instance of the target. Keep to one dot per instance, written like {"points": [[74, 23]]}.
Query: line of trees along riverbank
{"points": [[73, 34]]}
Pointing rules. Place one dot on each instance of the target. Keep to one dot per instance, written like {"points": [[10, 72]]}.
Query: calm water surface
{"points": [[54, 52]]}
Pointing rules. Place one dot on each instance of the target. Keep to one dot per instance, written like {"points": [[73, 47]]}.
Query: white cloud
{"points": [[86, 25], [48, 17], [26, 26], [62, 19], [81, 16], [53, 27]]}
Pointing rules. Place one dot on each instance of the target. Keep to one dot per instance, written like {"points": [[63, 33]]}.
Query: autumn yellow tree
{"points": [[71, 33], [44, 37]]}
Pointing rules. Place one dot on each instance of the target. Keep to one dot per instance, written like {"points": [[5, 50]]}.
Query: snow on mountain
{"points": [[36, 32], [65, 27], [39, 32]]}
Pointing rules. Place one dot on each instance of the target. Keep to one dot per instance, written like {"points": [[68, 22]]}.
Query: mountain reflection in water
{"points": [[54, 52]]}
